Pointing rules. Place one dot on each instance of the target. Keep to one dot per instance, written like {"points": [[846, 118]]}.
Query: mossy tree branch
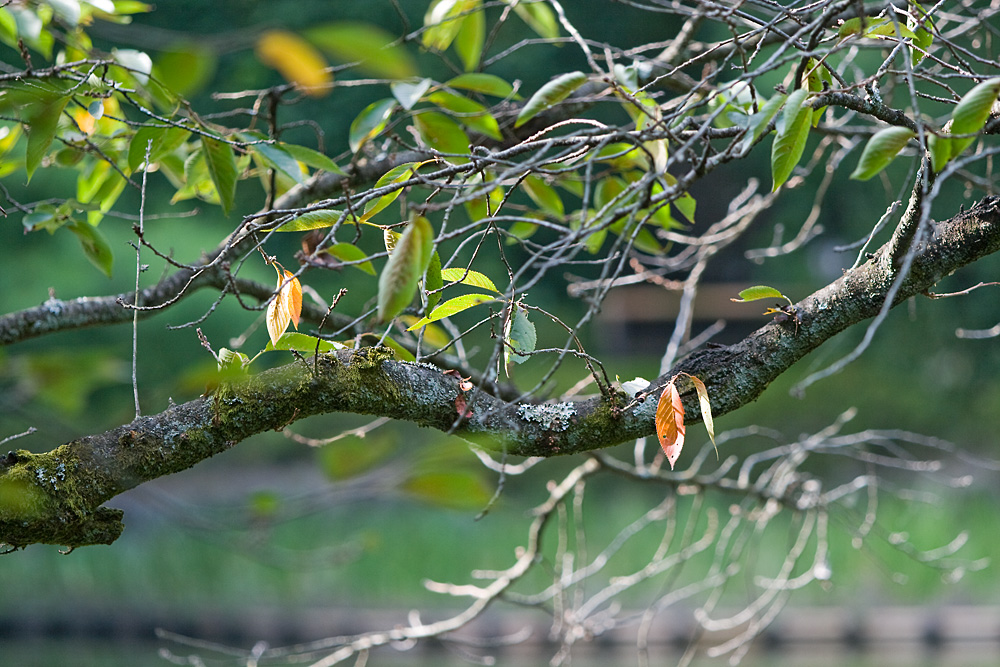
{"points": [[57, 497]]}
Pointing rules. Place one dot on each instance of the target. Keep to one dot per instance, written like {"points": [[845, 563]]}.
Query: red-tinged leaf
{"points": [[285, 307], [461, 407], [706, 409], [670, 423]]}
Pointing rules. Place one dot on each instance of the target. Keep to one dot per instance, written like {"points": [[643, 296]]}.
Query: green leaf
{"points": [[222, 168], [487, 84], [165, 140], [310, 220], [379, 55], [348, 252], [452, 307], [539, 17], [468, 277], [519, 338], [433, 282], [971, 113], [397, 285], [441, 133], [940, 148], [95, 246], [544, 195], [790, 142], [443, 21], [880, 151], [370, 122], [409, 93], [273, 155], [398, 174], [759, 121], [312, 158], [459, 490], [304, 343], [758, 292], [553, 92], [470, 38], [43, 120], [472, 114]]}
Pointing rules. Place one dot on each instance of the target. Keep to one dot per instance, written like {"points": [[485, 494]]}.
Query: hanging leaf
{"points": [[273, 155], [398, 174], [310, 220], [370, 122], [452, 307], [487, 84], [553, 92], [312, 158], [373, 48], [539, 17], [670, 423], [544, 195], [43, 120], [408, 93], [790, 142], [758, 292], [469, 277], [470, 39], [165, 140], [351, 255], [519, 338], [221, 165], [296, 59], [706, 409], [469, 113], [759, 121], [880, 151], [441, 133], [971, 113], [433, 282], [285, 307], [397, 285], [95, 246], [443, 20]]}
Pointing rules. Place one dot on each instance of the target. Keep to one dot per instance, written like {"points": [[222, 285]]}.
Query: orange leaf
{"points": [[670, 423], [285, 307]]}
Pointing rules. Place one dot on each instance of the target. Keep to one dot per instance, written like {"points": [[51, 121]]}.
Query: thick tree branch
{"points": [[56, 497]]}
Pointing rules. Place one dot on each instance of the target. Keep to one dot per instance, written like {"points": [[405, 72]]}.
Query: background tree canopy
{"points": [[497, 220]]}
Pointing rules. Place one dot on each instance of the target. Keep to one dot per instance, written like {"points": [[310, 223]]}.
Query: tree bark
{"points": [[57, 497]]}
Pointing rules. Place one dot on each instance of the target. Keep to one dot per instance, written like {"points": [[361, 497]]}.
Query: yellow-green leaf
{"points": [[348, 252], [470, 38], [880, 151], [706, 409], [370, 122], [452, 307], [487, 84], [441, 133], [469, 277], [460, 489], [552, 93], [397, 285], [758, 292], [971, 113]]}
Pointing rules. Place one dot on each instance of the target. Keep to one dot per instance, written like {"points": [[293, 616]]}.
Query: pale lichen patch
{"points": [[552, 416]]}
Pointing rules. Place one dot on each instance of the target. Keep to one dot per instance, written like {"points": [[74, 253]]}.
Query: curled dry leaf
{"points": [[706, 409], [670, 423], [285, 307]]}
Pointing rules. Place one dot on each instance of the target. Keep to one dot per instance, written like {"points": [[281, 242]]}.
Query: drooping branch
{"points": [[56, 497]]}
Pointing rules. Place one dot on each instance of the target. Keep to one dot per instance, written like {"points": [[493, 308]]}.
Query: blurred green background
{"points": [[274, 524]]}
